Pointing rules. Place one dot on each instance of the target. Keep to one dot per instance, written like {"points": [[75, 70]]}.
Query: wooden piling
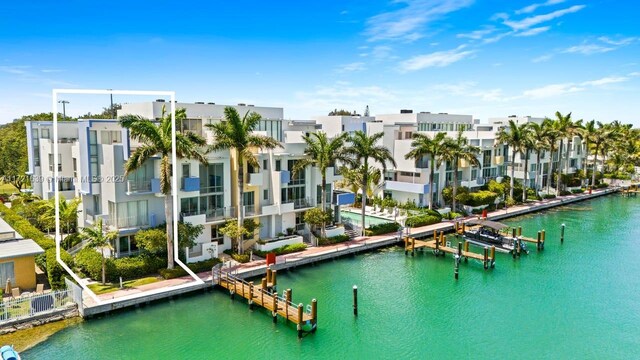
{"points": [[486, 258], [544, 234], [300, 323], [513, 232], [435, 236], [463, 228], [273, 279], [493, 256], [519, 230], [275, 307], [538, 240], [413, 247], [355, 300], [269, 274], [250, 295], [314, 314], [263, 288], [562, 234], [406, 245]]}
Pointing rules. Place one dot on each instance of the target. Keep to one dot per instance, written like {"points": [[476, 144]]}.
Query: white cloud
{"points": [[588, 49], [15, 70], [496, 38], [620, 42], [477, 34], [533, 7], [605, 81], [528, 22], [542, 58], [551, 90], [408, 22], [382, 52], [534, 31], [351, 67], [435, 59]]}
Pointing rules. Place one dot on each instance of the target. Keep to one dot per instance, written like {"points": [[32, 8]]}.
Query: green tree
{"points": [[317, 217], [98, 238], [539, 138], [68, 211], [514, 136], [322, 152], [552, 143], [13, 153], [237, 233], [454, 150], [425, 146], [156, 140], [237, 134], [364, 149], [340, 112]]}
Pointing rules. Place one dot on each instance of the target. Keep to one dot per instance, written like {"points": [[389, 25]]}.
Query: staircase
{"points": [[352, 233]]}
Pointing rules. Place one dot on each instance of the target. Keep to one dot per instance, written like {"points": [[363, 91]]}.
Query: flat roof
{"points": [[19, 248], [6, 230]]}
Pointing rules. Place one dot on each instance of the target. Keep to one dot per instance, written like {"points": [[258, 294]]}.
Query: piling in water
{"points": [[355, 300]]}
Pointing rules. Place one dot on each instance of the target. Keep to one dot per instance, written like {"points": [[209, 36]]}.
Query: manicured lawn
{"points": [[109, 287]]}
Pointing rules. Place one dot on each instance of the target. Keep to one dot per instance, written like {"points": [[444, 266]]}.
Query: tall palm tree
{"points": [[322, 152], [454, 150], [514, 136], [552, 143], [236, 133], [600, 137], [588, 132], [423, 145], [527, 146], [364, 149], [569, 128], [539, 136], [155, 137], [98, 238]]}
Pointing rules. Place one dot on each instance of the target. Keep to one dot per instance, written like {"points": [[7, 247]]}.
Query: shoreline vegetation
{"points": [[25, 339]]}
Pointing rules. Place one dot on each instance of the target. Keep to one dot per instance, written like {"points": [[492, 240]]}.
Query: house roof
{"points": [[19, 248]]}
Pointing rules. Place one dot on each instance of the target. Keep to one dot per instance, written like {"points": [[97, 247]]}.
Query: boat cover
{"points": [[488, 223]]}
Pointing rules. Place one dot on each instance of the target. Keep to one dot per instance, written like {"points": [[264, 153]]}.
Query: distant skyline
{"points": [[486, 58]]}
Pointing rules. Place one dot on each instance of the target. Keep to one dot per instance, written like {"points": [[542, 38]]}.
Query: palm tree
{"points": [[552, 143], [422, 145], [236, 133], [514, 136], [569, 128], [601, 136], [361, 150], [322, 153], [68, 212], [539, 137], [588, 132], [454, 150], [527, 145], [156, 141], [352, 179], [99, 239]]}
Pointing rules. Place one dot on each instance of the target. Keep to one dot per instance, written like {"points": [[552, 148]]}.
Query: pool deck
{"points": [[175, 287]]}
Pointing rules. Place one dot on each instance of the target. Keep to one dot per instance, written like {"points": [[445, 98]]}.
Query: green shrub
{"points": [[577, 191], [482, 197], [200, 266], [452, 215], [287, 249], [549, 196], [24, 228], [55, 272], [333, 239], [422, 220], [565, 192], [602, 186], [172, 273], [136, 267], [384, 228], [89, 261]]}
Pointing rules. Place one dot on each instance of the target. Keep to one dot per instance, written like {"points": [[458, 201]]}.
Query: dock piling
{"points": [[300, 323], [493, 256], [355, 300], [538, 240], [275, 308], [485, 261], [519, 230], [250, 295], [562, 234], [314, 315]]}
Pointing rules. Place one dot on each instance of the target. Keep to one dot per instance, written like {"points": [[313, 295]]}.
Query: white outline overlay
{"points": [[174, 184]]}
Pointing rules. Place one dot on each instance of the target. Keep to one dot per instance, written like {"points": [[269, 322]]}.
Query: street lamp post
{"points": [[64, 108], [113, 111]]}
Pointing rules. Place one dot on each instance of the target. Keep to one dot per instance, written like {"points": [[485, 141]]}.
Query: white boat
{"points": [[8, 353]]}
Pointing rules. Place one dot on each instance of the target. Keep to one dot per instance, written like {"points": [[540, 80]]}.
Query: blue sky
{"points": [[484, 57]]}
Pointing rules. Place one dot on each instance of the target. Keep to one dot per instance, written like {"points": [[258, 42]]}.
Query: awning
{"points": [[488, 223]]}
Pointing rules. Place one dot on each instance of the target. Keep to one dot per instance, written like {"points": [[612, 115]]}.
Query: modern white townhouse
{"points": [[92, 162]]}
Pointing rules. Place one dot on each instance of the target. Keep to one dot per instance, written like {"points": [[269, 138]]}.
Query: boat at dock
{"points": [[489, 233], [8, 353]]}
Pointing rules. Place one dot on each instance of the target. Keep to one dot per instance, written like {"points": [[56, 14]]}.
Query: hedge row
{"points": [[46, 262], [90, 263], [333, 239], [422, 220], [384, 228], [197, 267], [287, 249], [482, 197]]}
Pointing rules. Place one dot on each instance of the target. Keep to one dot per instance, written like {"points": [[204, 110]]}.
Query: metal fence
{"points": [[28, 306]]}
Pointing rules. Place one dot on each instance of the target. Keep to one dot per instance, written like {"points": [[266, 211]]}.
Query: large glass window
{"points": [[211, 178], [131, 213], [93, 156], [36, 147], [486, 158], [216, 236], [189, 205]]}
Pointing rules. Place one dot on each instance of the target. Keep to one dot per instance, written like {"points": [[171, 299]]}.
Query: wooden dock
{"points": [[631, 190], [265, 295], [438, 245]]}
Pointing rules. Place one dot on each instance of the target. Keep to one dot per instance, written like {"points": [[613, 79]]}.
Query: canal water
{"points": [[579, 300]]}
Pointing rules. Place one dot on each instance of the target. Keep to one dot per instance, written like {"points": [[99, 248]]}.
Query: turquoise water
{"points": [[357, 218], [579, 300]]}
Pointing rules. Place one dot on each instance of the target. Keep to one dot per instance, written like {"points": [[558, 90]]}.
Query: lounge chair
{"points": [[39, 289], [15, 293]]}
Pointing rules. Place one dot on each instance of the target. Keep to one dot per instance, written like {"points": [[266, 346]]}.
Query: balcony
{"points": [[250, 210], [190, 184], [211, 215], [407, 187], [499, 160], [300, 203], [473, 183], [293, 137], [129, 222], [270, 209], [143, 186], [255, 179]]}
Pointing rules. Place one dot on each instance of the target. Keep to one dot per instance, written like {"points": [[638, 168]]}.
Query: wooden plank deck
{"points": [[265, 299], [432, 245]]}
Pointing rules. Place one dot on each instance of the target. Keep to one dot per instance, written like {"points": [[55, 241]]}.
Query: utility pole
{"points": [[64, 108]]}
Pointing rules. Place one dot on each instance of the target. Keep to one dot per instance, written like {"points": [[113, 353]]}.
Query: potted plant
{"points": [[290, 231]]}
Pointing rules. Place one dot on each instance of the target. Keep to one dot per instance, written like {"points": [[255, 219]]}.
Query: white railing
{"points": [[138, 186], [32, 305]]}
